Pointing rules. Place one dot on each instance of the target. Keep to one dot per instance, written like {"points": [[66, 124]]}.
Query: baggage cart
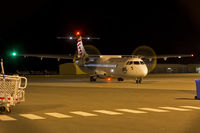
{"points": [[12, 90]]}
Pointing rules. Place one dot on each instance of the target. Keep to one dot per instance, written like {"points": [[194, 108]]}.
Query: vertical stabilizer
{"points": [[81, 50]]}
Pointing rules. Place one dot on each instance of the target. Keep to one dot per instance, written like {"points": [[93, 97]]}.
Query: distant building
{"points": [[70, 69], [177, 68]]}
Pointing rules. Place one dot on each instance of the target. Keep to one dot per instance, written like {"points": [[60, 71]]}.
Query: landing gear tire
{"points": [[8, 110], [92, 79], [4, 109], [120, 79], [138, 80]]}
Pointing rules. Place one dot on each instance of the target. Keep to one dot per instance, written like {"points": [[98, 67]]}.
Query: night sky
{"points": [[169, 27]]}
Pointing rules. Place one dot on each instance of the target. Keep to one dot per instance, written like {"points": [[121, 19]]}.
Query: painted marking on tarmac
{"points": [[32, 116], [107, 112], [58, 115], [175, 108], [154, 110], [81, 113], [191, 107], [131, 111], [6, 118]]}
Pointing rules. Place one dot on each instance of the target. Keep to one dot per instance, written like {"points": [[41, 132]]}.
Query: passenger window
{"points": [[136, 62]]}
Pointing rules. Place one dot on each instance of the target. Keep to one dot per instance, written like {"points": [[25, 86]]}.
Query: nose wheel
{"points": [[138, 80], [120, 79]]}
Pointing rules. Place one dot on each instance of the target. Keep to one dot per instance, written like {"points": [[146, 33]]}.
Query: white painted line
{"points": [[58, 115], [32, 116], [108, 112], [154, 110], [190, 107], [81, 113], [6, 118], [131, 111], [174, 108]]}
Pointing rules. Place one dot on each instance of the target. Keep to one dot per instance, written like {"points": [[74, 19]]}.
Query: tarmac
{"points": [[72, 104]]}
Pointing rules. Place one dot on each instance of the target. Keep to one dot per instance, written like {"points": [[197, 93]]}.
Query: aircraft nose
{"points": [[144, 71]]}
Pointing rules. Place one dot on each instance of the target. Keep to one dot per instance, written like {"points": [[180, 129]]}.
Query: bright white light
{"points": [[88, 38], [100, 65], [110, 56], [111, 70], [70, 38]]}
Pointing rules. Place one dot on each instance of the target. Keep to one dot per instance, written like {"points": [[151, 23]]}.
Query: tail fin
{"points": [[81, 50]]}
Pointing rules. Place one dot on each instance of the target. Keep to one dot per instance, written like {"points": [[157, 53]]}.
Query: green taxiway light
{"points": [[14, 54]]}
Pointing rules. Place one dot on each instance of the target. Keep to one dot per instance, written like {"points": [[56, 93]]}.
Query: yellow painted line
{"points": [[81, 113], [191, 107], [32, 116], [154, 110], [107, 112], [131, 111], [58, 115], [6, 118], [175, 108]]}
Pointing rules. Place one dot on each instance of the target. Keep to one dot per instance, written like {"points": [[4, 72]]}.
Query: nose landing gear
{"points": [[138, 80], [120, 79]]}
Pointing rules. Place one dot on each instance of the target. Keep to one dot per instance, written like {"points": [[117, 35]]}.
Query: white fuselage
{"points": [[128, 67]]}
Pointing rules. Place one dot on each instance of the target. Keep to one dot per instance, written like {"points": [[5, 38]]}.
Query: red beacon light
{"points": [[78, 33]]}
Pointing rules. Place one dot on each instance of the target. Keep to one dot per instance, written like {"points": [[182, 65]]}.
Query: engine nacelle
{"points": [[82, 61], [100, 74]]}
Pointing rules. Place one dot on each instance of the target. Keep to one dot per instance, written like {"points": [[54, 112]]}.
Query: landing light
{"points": [[109, 79]]}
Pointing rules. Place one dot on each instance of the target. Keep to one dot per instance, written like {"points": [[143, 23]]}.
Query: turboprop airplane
{"points": [[114, 66], [109, 66]]}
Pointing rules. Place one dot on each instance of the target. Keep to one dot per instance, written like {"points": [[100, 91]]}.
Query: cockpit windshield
{"points": [[129, 63], [135, 63]]}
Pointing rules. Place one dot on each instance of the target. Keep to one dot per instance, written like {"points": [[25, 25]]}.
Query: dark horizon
{"points": [[169, 27]]}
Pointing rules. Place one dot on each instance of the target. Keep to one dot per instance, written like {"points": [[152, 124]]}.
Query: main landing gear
{"points": [[120, 79], [93, 78], [4, 109], [138, 80]]}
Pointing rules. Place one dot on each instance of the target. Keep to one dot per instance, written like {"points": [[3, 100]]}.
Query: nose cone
{"points": [[141, 71], [145, 71]]}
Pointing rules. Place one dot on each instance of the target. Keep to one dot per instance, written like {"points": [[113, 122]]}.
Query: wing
{"points": [[48, 56], [105, 57], [165, 57]]}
